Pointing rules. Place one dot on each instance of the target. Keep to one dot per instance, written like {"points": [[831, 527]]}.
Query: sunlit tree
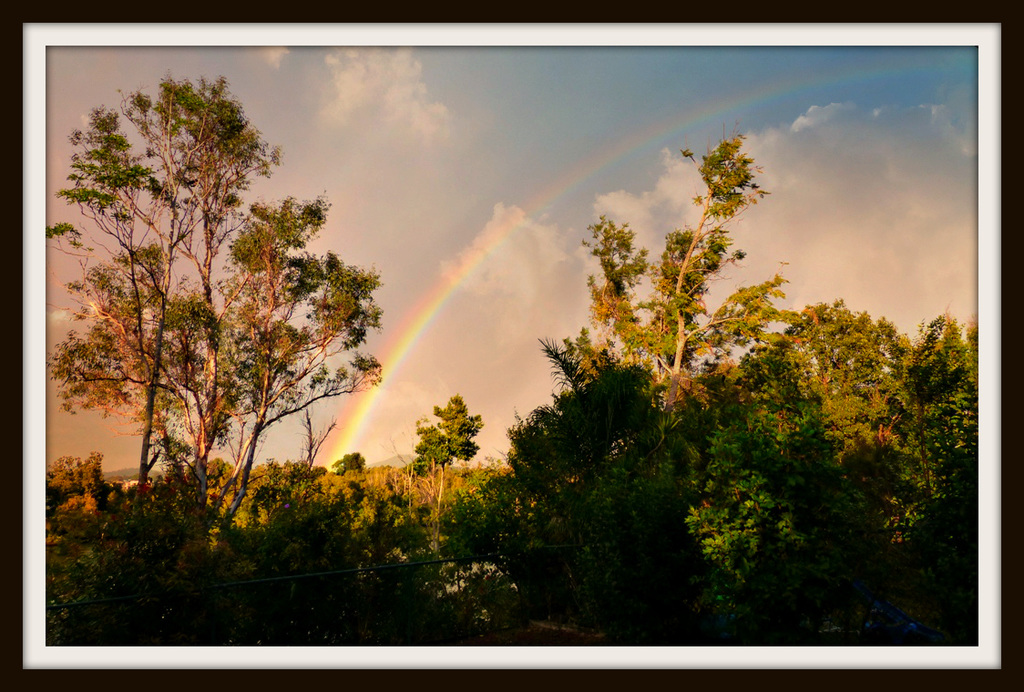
{"points": [[158, 181], [672, 327], [294, 315]]}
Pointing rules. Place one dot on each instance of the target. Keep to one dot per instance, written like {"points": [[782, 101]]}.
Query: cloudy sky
{"points": [[468, 175]]}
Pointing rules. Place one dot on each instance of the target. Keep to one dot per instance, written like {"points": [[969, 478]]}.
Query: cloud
{"points": [[60, 316], [520, 265], [383, 84], [273, 55], [503, 222], [873, 205], [526, 282], [819, 115], [407, 402], [652, 213]]}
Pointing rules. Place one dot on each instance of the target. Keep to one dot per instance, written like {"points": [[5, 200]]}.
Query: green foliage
{"points": [[102, 368], [293, 314], [159, 184], [940, 500], [294, 311], [439, 446], [852, 365], [640, 570], [352, 462], [776, 523], [193, 347], [589, 512], [150, 545], [184, 583], [71, 477], [673, 329], [451, 439], [483, 516], [745, 511]]}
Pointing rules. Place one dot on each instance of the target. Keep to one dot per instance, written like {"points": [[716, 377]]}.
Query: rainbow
{"points": [[357, 412]]}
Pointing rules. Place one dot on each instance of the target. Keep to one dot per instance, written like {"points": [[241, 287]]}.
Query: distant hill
{"points": [[128, 474], [397, 461], [125, 474]]}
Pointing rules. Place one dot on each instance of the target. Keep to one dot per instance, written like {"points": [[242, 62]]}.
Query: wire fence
{"points": [[408, 603]]}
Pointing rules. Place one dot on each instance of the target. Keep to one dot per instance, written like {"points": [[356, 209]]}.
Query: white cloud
{"points": [[518, 263], [944, 120], [273, 55], [876, 207], [818, 115], [407, 402], [384, 84], [622, 207], [653, 213], [60, 316], [531, 287], [503, 222]]}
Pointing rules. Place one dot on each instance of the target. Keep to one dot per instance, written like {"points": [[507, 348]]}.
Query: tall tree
{"points": [[673, 327], [594, 502], [441, 444], [166, 187], [294, 314]]}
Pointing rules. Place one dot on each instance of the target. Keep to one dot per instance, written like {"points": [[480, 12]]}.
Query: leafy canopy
{"points": [[672, 327], [451, 439]]}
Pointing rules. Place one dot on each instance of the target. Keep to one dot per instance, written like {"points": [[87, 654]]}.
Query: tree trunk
{"points": [[243, 481], [145, 464]]}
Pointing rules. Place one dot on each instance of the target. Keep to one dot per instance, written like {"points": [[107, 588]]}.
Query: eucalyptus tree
{"points": [[671, 328], [293, 316], [157, 181]]}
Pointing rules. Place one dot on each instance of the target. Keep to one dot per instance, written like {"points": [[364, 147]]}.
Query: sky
{"points": [[466, 164], [467, 176]]}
